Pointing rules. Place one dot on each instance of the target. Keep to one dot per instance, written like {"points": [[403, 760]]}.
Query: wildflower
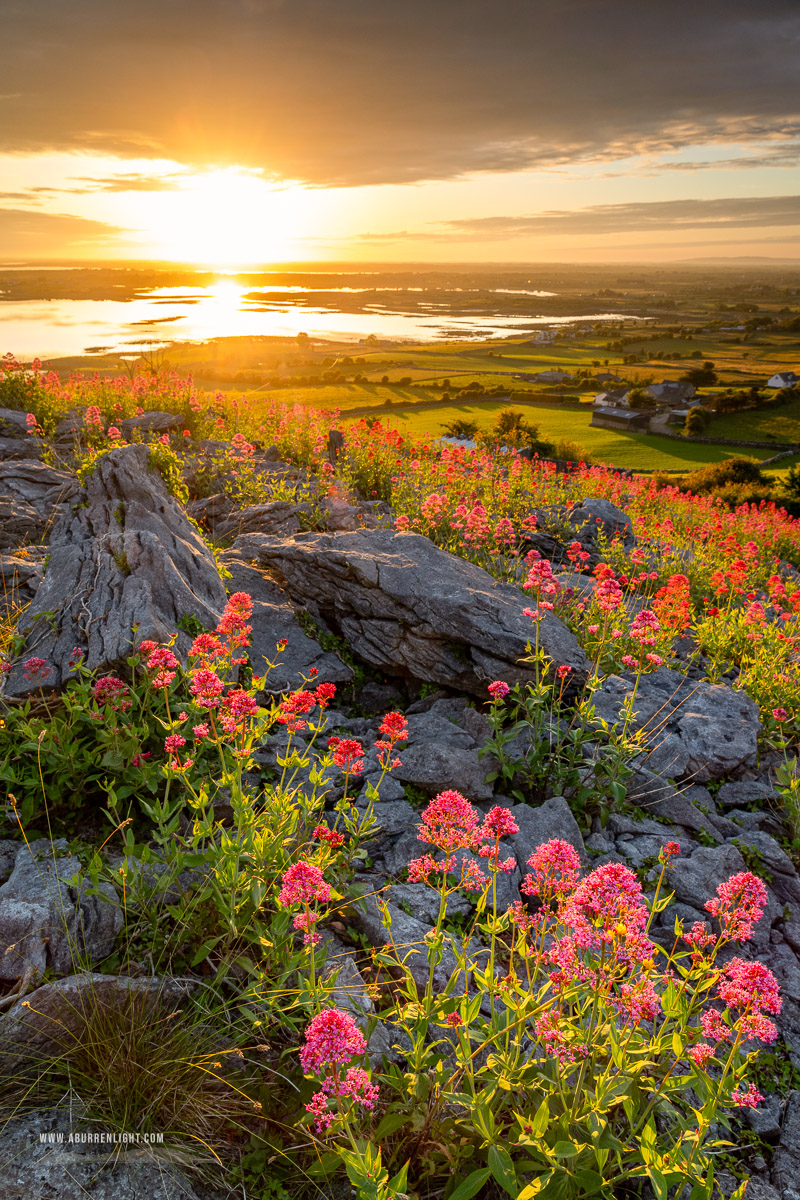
{"points": [[449, 822], [112, 691], [348, 756], [293, 707], [739, 905], [332, 1038], [563, 671], [780, 714], [498, 823], [394, 726], [700, 1054], [324, 693], [555, 868], [36, 668], [453, 1019], [206, 646], [749, 986], [331, 836], [420, 869], [713, 1026], [201, 731], [239, 705], [207, 688], [669, 850], [498, 690], [174, 743], [113, 434], [303, 883], [747, 1099]]}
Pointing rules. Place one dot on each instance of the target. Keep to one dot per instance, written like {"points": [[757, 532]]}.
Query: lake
{"points": [[227, 308]]}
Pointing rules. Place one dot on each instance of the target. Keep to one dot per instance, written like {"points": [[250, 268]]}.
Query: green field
{"points": [[782, 424], [643, 452]]}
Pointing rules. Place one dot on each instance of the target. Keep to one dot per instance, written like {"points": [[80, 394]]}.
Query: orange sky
{"points": [[256, 131]]}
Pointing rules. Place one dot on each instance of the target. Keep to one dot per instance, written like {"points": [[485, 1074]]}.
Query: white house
{"points": [[783, 379]]}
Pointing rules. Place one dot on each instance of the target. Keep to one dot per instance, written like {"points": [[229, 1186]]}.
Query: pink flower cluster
{"points": [[333, 1040], [303, 883]]}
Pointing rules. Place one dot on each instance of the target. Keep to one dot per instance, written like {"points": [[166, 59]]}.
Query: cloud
{"points": [[123, 183], [738, 212], [41, 235], [357, 92]]}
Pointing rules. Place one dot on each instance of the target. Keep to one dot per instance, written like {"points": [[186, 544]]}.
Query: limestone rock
{"points": [[20, 576], [694, 730], [278, 517], [593, 513], [435, 767], [45, 921], [150, 422], [31, 497], [125, 556], [406, 606]]}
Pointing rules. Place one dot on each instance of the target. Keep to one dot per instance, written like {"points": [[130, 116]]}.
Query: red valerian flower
{"points": [[739, 905], [449, 823]]}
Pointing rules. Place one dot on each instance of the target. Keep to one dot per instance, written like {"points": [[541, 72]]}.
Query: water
{"points": [[61, 328]]}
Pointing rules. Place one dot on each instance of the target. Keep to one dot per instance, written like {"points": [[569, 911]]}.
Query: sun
{"points": [[225, 218]]}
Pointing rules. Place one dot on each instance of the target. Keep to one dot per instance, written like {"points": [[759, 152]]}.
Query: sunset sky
{"points": [[241, 132]]}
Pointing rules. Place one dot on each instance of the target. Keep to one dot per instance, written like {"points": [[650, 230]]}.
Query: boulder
{"points": [[150, 422], [409, 608], [32, 495], [279, 518], [693, 730], [20, 576], [13, 423], [273, 619], [786, 1161], [125, 558], [435, 767], [48, 922], [593, 514], [39, 1162]]}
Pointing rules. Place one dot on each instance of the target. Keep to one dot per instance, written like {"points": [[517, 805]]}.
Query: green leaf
{"points": [[206, 949], [502, 1169], [471, 1185], [390, 1124], [565, 1150], [541, 1121]]}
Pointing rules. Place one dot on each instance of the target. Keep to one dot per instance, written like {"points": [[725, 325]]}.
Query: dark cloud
{"points": [[39, 235], [357, 92], [740, 212]]}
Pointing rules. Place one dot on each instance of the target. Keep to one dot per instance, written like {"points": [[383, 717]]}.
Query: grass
{"points": [[782, 424], [642, 452]]}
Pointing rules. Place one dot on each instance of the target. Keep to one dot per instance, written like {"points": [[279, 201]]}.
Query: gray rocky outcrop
{"points": [[39, 1162], [593, 514], [277, 518], [32, 495], [46, 920], [406, 606], [123, 558], [150, 422], [20, 576], [693, 730]]}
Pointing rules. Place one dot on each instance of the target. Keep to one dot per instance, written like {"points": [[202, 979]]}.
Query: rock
{"points": [[278, 517], [126, 557], [408, 936], [656, 795], [38, 1162], [407, 607], [390, 790], [436, 767], [8, 856], [36, 1026], [394, 816], [211, 509], [786, 1161], [746, 791], [14, 447], [593, 513], [13, 423], [31, 498], [784, 881], [45, 921], [762, 1189], [553, 819], [397, 856], [273, 619], [343, 517], [20, 576], [379, 698], [150, 422], [424, 901], [694, 730]]}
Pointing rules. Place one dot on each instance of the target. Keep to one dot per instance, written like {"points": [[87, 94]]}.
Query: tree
{"points": [[701, 376], [639, 400], [511, 429], [696, 422]]}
